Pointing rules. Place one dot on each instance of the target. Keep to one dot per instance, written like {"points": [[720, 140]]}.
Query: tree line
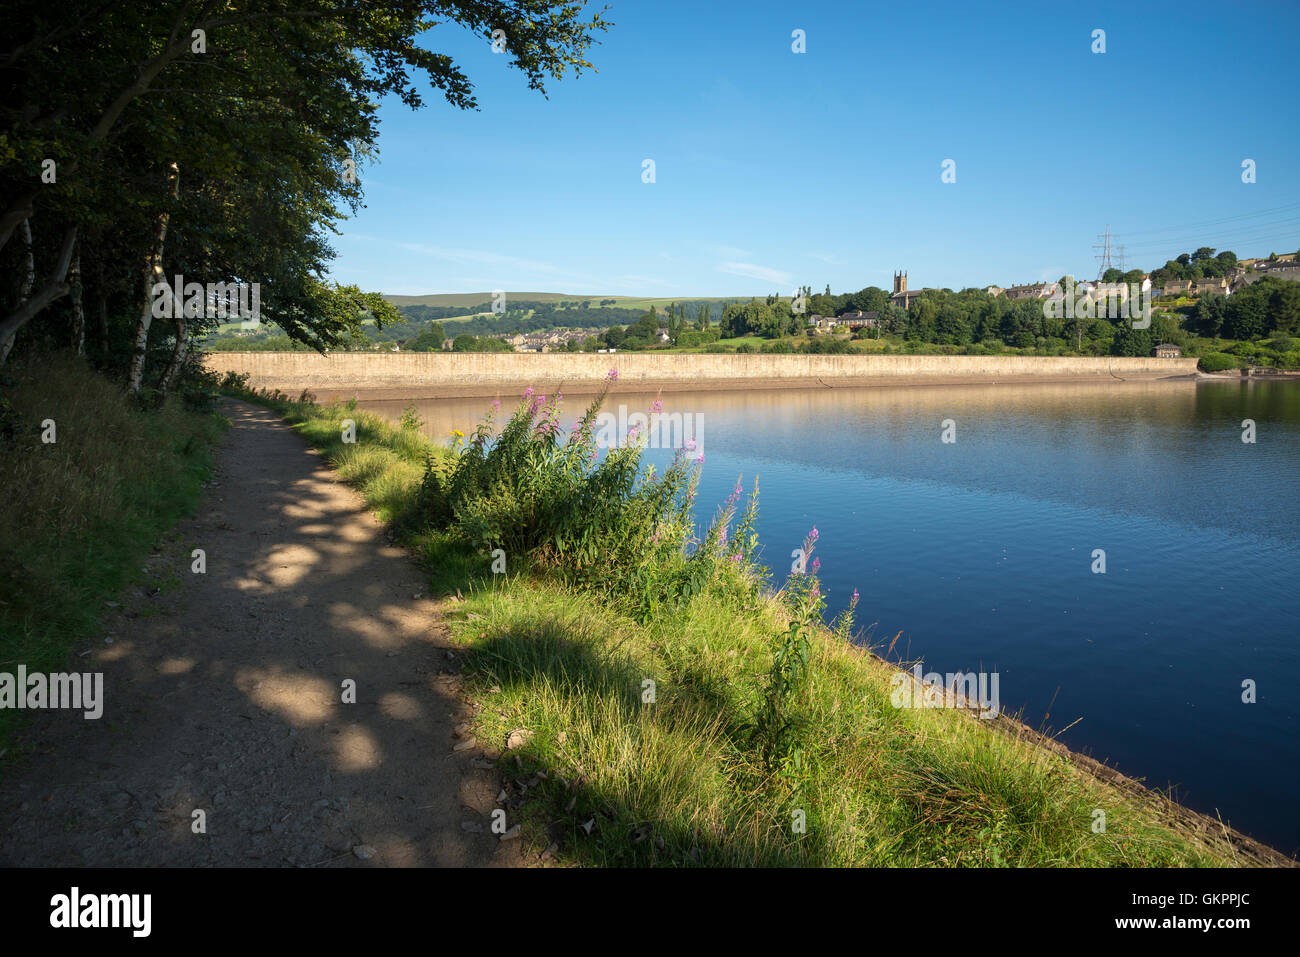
{"points": [[217, 142]]}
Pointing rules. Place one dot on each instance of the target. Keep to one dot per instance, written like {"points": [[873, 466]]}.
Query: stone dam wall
{"points": [[436, 374]]}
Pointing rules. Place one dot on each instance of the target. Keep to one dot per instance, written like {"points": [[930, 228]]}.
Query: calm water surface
{"points": [[979, 553]]}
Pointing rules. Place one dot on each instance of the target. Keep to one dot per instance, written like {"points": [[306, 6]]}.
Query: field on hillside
{"points": [[477, 298]]}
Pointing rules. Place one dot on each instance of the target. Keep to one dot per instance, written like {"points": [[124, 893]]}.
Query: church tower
{"points": [[900, 282]]}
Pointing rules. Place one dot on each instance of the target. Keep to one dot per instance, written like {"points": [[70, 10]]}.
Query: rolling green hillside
{"points": [[477, 298]]}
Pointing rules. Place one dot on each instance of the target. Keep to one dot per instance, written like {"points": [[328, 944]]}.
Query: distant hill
{"points": [[474, 298], [478, 298]]}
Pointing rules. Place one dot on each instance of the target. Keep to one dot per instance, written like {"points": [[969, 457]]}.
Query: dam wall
{"points": [[437, 374]]}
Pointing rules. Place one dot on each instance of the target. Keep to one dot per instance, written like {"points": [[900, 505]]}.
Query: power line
{"points": [[1214, 222], [1226, 242], [1238, 230]]}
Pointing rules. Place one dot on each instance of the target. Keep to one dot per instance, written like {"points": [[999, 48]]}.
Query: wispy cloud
{"points": [[725, 252], [631, 279], [753, 271], [480, 256]]}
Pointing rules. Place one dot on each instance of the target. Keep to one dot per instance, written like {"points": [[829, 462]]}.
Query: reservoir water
{"points": [[979, 554]]}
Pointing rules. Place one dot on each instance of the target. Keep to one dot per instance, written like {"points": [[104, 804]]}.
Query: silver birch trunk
{"points": [[78, 314], [151, 274]]}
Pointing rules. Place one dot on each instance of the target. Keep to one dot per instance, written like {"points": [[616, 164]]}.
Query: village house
{"points": [[1168, 351], [1281, 268], [855, 320], [1177, 287], [859, 317], [1033, 290], [1213, 284]]}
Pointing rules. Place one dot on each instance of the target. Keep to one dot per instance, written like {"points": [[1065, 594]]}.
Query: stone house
{"points": [[1033, 290], [1214, 284]]}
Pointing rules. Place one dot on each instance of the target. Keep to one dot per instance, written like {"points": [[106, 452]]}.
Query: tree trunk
{"points": [[30, 305], [152, 272], [178, 356], [18, 213], [78, 314], [29, 280], [103, 323]]}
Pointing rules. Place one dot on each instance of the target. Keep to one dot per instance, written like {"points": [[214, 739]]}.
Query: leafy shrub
{"points": [[825, 345], [1217, 362], [601, 522], [411, 421]]}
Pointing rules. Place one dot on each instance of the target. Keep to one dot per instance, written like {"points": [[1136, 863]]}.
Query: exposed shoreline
{"points": [[676, 386], [439, 390]]}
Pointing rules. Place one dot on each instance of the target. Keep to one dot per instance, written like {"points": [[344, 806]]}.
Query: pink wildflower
{"points": [[612, 376]]}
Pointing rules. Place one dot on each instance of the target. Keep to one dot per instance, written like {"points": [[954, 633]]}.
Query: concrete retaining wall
{"points": [[447, 373]]}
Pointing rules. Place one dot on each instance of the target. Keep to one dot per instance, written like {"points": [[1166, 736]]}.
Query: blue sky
{"points": [[775, 169]]}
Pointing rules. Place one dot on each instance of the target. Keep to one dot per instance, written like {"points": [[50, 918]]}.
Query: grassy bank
{"points": [[719, 724], [83, 512]]}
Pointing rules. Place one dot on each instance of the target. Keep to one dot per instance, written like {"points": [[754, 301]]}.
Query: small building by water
{"points": [[1167, 351]]}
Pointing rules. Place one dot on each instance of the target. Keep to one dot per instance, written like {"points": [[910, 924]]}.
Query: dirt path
{"points": [[224, 695]]}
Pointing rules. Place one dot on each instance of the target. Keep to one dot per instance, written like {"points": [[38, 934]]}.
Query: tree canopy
{"points": [[222, 142]]}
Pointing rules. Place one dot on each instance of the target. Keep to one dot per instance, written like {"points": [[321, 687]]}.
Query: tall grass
{"points": [[728, 726], [82, 512]]}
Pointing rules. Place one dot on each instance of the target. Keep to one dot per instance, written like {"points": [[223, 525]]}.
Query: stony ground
{"points": [[224, 694]]}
